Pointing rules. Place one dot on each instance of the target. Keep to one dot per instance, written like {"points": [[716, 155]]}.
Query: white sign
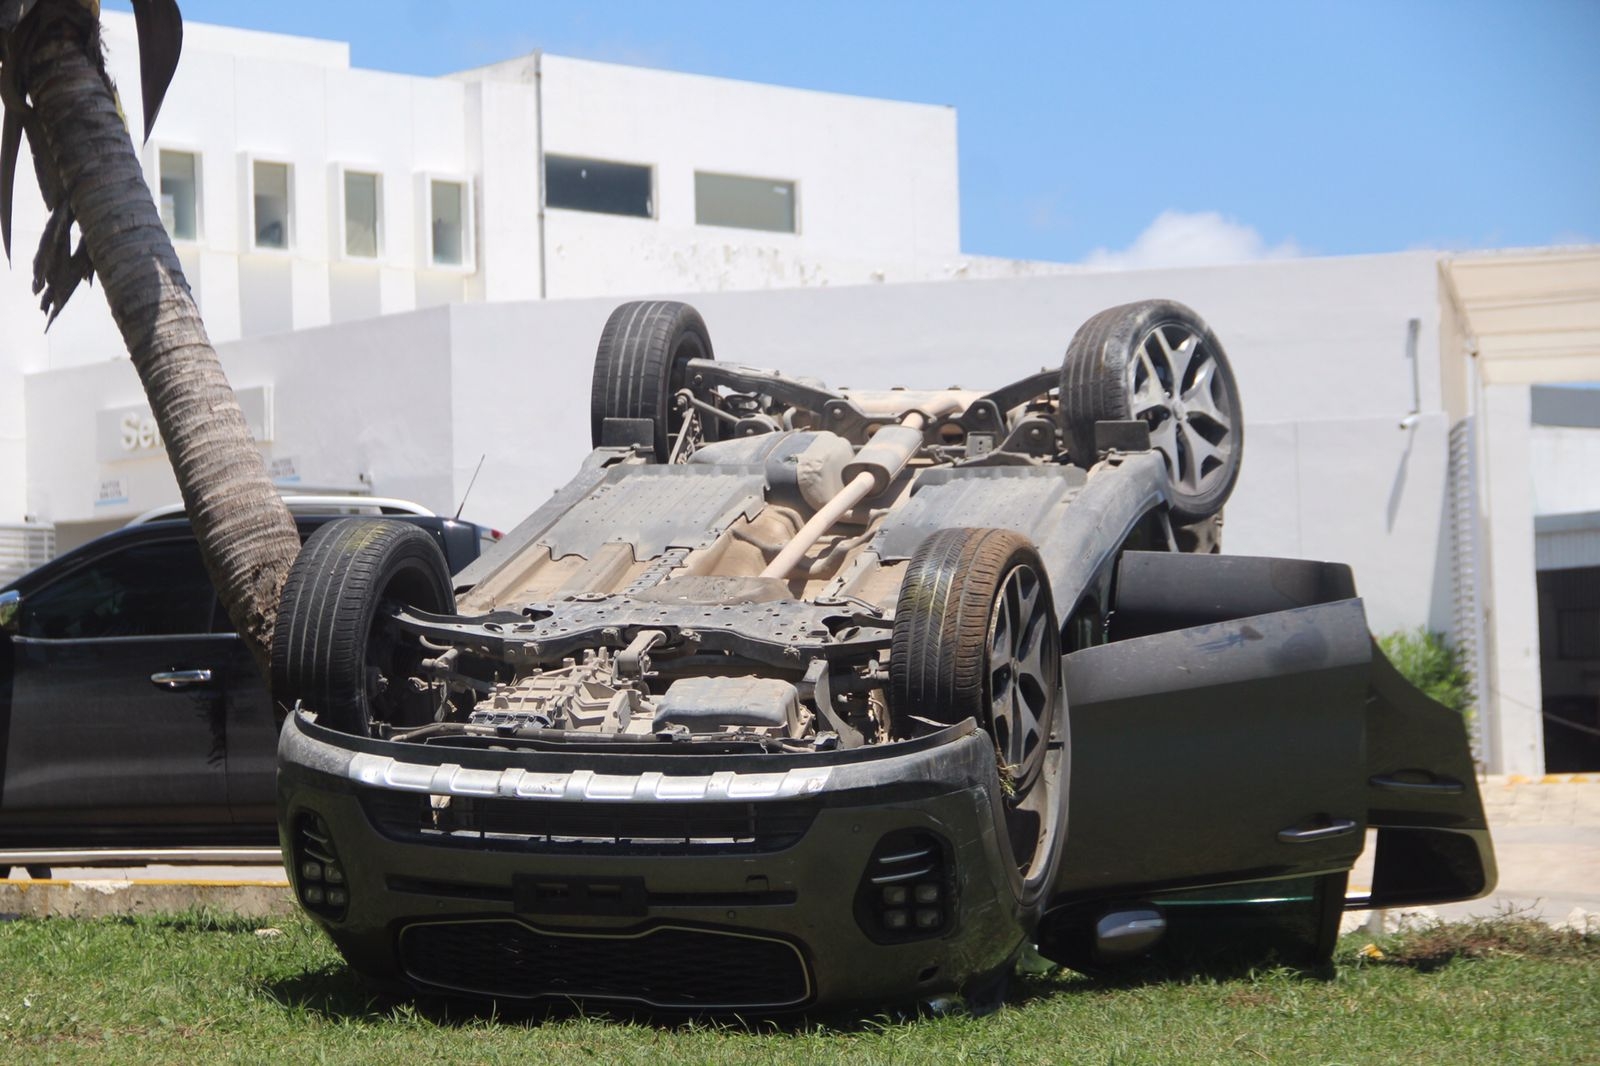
{"points": [[124, 433], [283, 469], [113, 491]]}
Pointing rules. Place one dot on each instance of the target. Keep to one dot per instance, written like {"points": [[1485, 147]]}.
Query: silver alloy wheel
{"points": [[1023, 669], [1174, 387]]}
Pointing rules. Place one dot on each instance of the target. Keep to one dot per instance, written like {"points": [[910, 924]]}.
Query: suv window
{"points": [[143, 590]]}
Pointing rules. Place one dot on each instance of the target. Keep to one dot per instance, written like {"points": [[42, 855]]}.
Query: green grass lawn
{"points": [[202, 989]]}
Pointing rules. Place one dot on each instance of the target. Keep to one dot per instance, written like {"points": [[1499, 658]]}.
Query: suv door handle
{"points": [[172, 680], [1436, 784], [1336, 827]]}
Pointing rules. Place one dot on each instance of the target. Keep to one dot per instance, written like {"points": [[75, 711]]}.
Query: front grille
{"points": [[667, 966], [563, 828]]}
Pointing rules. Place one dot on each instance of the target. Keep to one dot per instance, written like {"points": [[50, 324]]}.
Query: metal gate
{"points": [[1466, 621]]}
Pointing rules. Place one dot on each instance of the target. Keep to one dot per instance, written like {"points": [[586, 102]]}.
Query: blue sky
{"points": [[1139, 133]]}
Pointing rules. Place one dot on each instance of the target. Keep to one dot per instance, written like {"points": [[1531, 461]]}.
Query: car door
{"points": [[1222, 737], [117, 712], [252, 740]]}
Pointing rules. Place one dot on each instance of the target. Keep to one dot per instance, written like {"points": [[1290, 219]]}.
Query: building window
{"points": [[145, 590], [1578, 633], [449, 228], [363, 202], [593, 185], [180, 194], [270, 187], [748, 203]]}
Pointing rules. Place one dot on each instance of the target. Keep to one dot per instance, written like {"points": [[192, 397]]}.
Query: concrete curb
{"points": [[102, 899]]}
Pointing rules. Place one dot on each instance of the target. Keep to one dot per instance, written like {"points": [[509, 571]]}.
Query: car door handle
{"points": [[1336, 827], [176, 679], [1437, 784]]}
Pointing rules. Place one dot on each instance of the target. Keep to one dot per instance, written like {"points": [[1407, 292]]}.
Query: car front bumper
{"points": [[674, 881]]}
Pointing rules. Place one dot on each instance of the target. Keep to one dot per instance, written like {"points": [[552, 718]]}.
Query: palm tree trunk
{"points": [[247, 536]]}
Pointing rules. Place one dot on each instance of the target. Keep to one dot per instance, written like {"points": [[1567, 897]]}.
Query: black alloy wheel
{"points": [[335, 648], [1158, 362], [975, 636]]}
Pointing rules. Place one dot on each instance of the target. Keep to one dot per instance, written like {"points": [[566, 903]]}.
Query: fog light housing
{"points": [[320, 877], [907, 891]]}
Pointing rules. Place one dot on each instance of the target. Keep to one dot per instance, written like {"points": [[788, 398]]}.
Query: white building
{"points": [[1391, 419], [302, 192]]}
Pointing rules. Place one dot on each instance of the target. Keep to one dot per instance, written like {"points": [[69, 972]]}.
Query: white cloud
{"points": [[1182, 239]]}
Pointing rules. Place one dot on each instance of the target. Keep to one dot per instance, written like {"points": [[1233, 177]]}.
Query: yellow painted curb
{"points": [[1546, 779], [123, 882]]}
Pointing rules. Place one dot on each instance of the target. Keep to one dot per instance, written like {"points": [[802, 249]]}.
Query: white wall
{"points": [[876, 180], [22, 351], [872, 176], [1319, 347], [1565, 466], [354, 407], [502, 132], [877, 185], [240, 94], [1516, 728]]}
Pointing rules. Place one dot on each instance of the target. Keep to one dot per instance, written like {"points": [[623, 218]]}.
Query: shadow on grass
{"points": [[338, 993]]}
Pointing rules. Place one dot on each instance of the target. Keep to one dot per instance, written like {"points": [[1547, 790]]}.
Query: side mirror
{"points": [[10, 608]]}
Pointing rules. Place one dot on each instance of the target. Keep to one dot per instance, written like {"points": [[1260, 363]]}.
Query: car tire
{"points": [[1158, 362], [329, 651], [975, 636], [639, 368]]}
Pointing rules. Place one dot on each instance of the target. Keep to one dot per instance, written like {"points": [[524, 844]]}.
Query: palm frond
{"points": [[160, 27], [13, 12], [58, 268], [10, 141]]}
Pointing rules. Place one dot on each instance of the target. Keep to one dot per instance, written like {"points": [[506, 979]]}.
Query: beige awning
{"points": [[1535, 314]]}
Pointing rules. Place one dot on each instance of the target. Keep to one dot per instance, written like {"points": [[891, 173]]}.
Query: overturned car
{"points": [[796, 696]]}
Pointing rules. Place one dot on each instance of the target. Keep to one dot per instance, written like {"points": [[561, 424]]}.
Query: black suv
{"points": [[131, 714]]}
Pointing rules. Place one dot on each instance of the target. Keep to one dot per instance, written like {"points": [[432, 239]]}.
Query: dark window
{"points": [[748, 203], [591, 185], [1578, 633], [142, 591]]}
